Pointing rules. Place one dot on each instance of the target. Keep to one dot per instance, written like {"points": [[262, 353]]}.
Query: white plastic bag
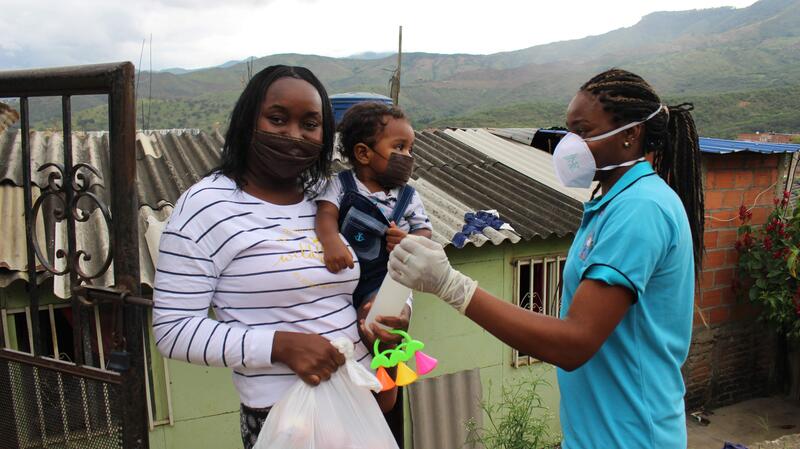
{"points": [[338, 414]]}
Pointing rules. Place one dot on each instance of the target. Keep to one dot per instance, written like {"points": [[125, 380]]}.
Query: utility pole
{"points": [[394, 83]]}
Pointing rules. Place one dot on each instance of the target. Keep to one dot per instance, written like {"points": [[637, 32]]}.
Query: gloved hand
{"points": [[421, 264]]}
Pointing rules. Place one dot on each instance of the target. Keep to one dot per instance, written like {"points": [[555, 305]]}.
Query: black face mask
{"points": [[398, 170], [280, 157]]}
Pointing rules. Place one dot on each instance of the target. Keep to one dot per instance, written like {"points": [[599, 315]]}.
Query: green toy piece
{"points": [[389, 358]]}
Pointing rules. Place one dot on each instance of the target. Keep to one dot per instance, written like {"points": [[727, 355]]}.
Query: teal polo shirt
{"points": [[630, 393]]}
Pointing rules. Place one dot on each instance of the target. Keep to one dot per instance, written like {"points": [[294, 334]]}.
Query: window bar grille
{"points": [[32, 285], [29, 322], [39, 406], [4, 320], [99, 332], [168, 383], [85, 402], [150, 425], [53, 331], [107, 409], [63, 404]]}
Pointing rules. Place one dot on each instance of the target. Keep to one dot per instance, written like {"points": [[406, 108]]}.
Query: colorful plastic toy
{"points": [[397, 356]]}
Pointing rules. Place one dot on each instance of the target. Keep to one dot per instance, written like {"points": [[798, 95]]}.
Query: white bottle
{"points": [[389, 301]]}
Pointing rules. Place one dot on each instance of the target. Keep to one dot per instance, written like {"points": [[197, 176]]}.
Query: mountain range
{"points": [[740, 66]]}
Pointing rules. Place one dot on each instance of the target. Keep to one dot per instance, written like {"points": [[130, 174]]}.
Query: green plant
{"points": [[519, 420], [768, 264]]}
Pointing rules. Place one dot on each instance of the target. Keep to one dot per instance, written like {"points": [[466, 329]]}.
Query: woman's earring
{"points": [[626, 144]]}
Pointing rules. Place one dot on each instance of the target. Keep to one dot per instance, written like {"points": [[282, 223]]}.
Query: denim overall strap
{"points": [[348, 181], [403, 200]]}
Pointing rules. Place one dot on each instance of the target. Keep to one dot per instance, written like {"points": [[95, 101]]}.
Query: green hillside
{"points": [[717, 115], [717, 57]]}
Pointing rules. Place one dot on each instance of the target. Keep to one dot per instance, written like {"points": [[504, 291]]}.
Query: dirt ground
{"points": [[786, 442], [762, 423]]}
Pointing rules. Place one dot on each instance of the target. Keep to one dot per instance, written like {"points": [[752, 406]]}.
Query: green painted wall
{"points": [[459, 344], [205, 407]]}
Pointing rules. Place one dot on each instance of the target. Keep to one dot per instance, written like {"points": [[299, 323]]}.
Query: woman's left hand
{"points": [[369, 335]]}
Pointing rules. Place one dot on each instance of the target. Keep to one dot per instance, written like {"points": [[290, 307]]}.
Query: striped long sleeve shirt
{"points": [[259, 268]]}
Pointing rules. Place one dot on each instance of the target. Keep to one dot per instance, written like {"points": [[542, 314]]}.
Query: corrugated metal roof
{"points": [[482, 182], [168, 161], [13, 249], [8, 116], [13, 245], [440, 407], [521, 135], [527, 160], [707, 144], [724, 146], [452, 177]]}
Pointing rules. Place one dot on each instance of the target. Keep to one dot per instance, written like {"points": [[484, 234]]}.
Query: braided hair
{"points": [[671, 135]]}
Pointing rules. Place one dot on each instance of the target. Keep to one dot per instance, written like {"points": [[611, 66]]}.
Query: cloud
{"points": [[63, 33], [202, 33], [196, 4]]}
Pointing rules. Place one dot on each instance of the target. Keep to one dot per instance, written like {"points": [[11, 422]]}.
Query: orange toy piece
{"points": [[385, 379]]}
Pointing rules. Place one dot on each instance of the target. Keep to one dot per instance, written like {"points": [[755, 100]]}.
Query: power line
{"points": [[138, 77], [150, 94]]}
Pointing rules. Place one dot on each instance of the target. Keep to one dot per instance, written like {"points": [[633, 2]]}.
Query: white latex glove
{"points": [[421, 264]]}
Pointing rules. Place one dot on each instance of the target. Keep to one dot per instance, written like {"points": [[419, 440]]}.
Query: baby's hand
{"points": [[394, 236], [337, 257], [388, 339]]}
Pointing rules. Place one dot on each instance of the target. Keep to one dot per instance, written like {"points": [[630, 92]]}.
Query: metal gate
{"points": [[46, 402]]}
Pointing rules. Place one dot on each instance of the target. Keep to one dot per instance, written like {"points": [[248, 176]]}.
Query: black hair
{"points": [[363, 123], [671, 134], [245, 116]]}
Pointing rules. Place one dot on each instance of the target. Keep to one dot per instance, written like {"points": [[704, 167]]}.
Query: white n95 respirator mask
{"points": [[574, 163]]}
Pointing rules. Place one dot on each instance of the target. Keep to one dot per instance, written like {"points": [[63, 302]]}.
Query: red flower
{"points": [[767, 243], [775, 201], [743, 213], [786, 194]]}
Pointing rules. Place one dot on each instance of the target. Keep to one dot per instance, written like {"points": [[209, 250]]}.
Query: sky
{"points": [[204, 33]]}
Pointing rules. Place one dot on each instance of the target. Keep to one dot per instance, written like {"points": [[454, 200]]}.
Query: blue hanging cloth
{"points": [[475, 223], [733, 446]]}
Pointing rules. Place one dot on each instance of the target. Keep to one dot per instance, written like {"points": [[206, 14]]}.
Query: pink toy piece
{"points": [[425, 363]]}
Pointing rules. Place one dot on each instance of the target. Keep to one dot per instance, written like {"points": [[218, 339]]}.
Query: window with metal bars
{"points": [[537, 282], [57, 333]]}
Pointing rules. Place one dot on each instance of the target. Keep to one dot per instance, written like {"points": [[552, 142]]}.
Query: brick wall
{"points": [[768, 137], [732, 355]]}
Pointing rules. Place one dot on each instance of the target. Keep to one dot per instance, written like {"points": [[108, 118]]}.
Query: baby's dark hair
{"points": [[363, 123]]}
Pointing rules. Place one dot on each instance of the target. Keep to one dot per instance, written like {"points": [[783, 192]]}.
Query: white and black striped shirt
{"points": [[260, 267]]}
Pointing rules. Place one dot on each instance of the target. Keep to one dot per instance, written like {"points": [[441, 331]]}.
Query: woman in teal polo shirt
{"points": [[627, 299]]}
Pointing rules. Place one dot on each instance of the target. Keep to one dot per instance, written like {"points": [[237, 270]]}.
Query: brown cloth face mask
{"points": [[280, 157], [398, 170]]}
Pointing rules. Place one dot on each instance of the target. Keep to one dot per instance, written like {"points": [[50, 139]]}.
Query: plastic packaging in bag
{"points": [[340, 413]]}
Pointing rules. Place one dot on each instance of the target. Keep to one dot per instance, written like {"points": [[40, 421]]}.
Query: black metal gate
{"points": [[46, 402]]}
